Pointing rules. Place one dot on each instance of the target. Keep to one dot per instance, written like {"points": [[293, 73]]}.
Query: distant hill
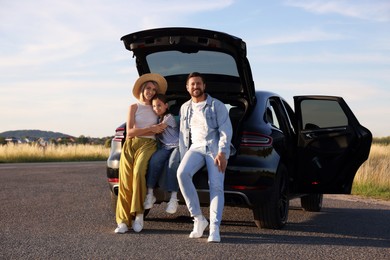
{"points": [[34, 134]]}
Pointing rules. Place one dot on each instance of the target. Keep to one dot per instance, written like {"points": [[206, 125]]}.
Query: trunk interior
{"points": [[228, 90]]}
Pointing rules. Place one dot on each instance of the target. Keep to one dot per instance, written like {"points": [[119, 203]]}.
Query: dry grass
{"points": [[377, 168], [373, 177], [11, 153]]}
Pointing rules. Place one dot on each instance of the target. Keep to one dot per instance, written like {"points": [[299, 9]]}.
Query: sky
{"points": [[63, 67]]}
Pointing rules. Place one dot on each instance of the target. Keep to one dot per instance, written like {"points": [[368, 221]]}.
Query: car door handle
{"points": [[310, 135]]}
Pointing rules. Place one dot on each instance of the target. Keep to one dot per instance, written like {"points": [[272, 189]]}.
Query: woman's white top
{"points": [[145, 117]]}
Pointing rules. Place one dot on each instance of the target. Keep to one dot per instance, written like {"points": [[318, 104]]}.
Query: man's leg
{"points": [[192, 161], [217, 198]]}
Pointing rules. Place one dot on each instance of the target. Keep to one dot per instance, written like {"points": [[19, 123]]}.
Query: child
{"points": [[169, 149]]}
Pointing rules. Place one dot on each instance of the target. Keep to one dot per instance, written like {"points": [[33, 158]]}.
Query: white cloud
{"points": [[353, 90], [325, 57], [63, 67], [60, 30], [376, 10], [312, 35]]}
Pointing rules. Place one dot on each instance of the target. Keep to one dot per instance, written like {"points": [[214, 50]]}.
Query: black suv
{"points": [[281, 154]]}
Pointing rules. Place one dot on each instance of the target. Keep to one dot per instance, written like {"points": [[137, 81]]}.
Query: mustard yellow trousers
{"points": [[135, 156]]}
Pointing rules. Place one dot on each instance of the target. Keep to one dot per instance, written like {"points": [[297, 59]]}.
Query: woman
{"points": [[139, 146]]}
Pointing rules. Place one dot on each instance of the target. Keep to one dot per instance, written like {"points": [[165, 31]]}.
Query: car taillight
{"points": [[262, 187], [119, 134], [255, 139], [114, 180]]}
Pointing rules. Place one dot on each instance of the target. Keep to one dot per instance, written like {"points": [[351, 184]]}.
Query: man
{"points": [[205, 138]]}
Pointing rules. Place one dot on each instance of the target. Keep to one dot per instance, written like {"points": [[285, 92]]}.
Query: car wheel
{"points": [[272, 213], [312, 202]]}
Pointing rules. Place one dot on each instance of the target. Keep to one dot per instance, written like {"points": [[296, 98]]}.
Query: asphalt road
{"points": [[62, 211]]}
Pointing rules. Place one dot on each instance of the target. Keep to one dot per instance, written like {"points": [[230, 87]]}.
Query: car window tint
{"points": [[176, 63], [322, 114]]}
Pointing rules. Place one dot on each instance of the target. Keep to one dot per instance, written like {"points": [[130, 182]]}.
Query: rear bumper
{"points": [[235, 198], [113, 180], [249, 181], [112, 173]]}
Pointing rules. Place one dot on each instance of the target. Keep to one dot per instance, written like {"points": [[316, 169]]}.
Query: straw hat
{"points": [[161, 81]]}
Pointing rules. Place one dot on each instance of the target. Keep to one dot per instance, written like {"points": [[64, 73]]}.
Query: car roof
{"points": [[174, 52]]}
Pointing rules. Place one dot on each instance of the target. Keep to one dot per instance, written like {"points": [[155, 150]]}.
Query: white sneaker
{"points": [[121, 229], [214, 235], [138, 224], [172, 206], [199, 227], [149, 201]]}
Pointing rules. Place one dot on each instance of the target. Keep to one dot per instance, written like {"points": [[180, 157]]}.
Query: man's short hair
{"points": [[195, 74]]}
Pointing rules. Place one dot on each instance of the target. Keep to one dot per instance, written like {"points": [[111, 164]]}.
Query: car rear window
{"points": [[176, 63]]}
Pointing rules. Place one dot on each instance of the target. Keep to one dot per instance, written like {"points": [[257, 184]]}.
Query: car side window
{"points": [[322, 114], [271, 117], [281, 115], [292, 121]]}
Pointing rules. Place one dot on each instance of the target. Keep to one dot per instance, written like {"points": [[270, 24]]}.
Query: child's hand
{"points": [[159, 128]]}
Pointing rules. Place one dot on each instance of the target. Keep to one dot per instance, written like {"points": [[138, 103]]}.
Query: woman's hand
{"points": [[159, 128]]}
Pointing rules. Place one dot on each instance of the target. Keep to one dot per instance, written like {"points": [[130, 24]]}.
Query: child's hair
{"points": [[164, 99]]}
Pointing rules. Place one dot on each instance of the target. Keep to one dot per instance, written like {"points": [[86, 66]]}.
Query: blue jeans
{"points": [[167, 161], [194, 159]]}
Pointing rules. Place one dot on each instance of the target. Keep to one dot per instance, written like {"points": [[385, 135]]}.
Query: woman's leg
{"points": [[125, 190], [146, 148]]}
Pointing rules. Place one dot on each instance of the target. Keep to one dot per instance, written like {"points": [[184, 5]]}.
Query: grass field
{"points": [[372, 179], [52, 153]]}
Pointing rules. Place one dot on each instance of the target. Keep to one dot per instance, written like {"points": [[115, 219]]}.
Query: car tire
{"points": [[273, 212], [312, 202]]}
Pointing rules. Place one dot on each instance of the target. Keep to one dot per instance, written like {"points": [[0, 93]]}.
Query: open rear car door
{"points": [[331, 145]]}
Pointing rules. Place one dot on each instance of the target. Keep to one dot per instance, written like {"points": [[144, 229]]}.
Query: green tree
{"points": [[381, 140], [107, 143], [82, 140]]}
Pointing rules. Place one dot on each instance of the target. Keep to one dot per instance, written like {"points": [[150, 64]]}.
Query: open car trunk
{"points": [[176, 52]]}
